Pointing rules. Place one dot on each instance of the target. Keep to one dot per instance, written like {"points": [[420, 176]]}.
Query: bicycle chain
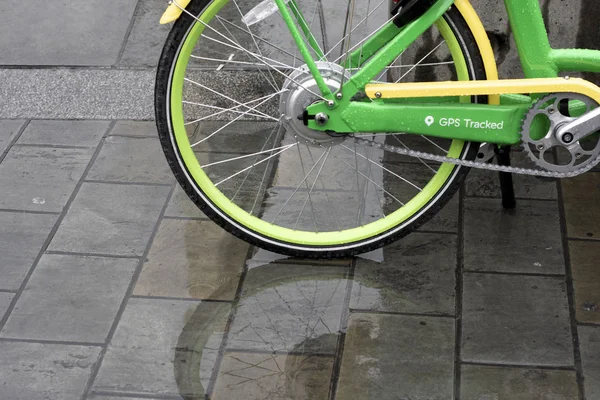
{"points": [[475, 164]]}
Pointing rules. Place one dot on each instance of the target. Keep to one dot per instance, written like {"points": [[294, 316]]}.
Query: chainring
{"points": [[548, 152]]}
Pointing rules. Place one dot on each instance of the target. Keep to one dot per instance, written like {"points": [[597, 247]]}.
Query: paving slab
{"points": [[45, 371], [110, 219], [397, 357], [41, 179], [65, 133], [128, 159], [134, 128], [512, 319], [267, 376], [589, 340], [501, 383], [70, 298], [163, 347], [90, 34], [193, 259], [8, 131], [526, 239], [21, 239], [147, 37], [487, 184], [581, 194], [180, 205], [290, 308], [586, 280], [416, 276], [5, 299], [117, 397]]}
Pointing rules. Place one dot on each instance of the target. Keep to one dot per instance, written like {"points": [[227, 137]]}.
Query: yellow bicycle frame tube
{"points": [[173, 11], [475, 88]]}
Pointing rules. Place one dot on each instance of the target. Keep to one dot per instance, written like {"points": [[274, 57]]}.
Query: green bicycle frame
{"points": [[538, 59]]}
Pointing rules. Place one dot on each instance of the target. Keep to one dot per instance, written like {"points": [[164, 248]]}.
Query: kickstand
{"points": [[506, 181]]}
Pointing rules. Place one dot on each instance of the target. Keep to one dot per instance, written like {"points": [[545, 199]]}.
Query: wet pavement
{"points": [[113, 285]]}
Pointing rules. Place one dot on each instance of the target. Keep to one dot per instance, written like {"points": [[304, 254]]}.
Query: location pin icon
{"points": [[429, 120]]}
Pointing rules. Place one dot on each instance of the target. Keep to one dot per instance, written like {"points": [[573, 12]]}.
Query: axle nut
{"points": [[567, 137], [321, 118]]}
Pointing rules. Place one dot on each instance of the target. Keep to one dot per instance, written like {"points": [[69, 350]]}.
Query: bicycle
{"points": [[312, 153]]}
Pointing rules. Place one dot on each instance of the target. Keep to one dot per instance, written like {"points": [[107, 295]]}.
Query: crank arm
{"points": [[580, 128]]}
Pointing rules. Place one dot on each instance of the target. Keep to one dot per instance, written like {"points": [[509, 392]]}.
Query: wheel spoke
{"points": [[258, 57], [308, 198], [369, 179], [383, 168], [421, 60], [223, 110], [260, 39], [246, 105], [232, 121], [256, 163], [297, 188], [355, 28], [244, 156], [421, 160], [273, 82]]}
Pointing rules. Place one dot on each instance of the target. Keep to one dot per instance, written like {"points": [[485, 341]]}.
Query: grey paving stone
{"points": [[583, 257], [21, 239], [111, 219], [5, 299], [487, 184], [193, 259], [589, 339], [134, 128], [499, 383], [88, 35], [397, 357], [8, 130], [180, 205], [290, 308], [41, 179], [108, 397], [254, 376], [580, 195], [417, 276], [124, 159], [45, 371], [526, 239], [77, 94], [516, 319], [147, 37], [68, 133], [163, 347], [70, 298], [117, 397]]}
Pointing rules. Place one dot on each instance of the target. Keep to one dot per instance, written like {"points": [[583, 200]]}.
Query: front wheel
{"points": [[227, 99]]}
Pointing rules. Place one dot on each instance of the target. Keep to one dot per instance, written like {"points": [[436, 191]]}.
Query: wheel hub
{"points": [[301, 88]]}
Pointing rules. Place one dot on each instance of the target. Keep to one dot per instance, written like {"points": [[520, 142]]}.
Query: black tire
{"points": [[165, 69]]}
